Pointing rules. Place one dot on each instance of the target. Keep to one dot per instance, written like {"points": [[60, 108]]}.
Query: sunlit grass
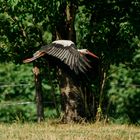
{"points": [[54, 131]]}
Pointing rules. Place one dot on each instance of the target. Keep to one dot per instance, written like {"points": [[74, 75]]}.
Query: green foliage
{"points": [[124, 94], [17, 112], [17, 99], [23, 26], [16, 80], [16, 87]]}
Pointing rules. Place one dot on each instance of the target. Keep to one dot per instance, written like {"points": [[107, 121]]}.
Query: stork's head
{"points": [[85, 51]]}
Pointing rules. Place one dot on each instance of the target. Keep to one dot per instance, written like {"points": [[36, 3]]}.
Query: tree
{"points": [[76, 104]]}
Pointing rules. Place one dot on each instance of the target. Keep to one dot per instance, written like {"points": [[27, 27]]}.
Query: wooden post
{"points": [[39, 96]]}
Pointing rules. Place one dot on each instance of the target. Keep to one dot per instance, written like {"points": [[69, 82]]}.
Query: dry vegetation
{"points": [[49, 131]]}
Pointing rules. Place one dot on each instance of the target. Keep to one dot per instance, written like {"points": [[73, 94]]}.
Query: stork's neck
{"points": [[82, 51]]}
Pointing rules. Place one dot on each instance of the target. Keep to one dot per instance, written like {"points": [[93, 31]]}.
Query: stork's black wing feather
{"points": [[69, 55]]}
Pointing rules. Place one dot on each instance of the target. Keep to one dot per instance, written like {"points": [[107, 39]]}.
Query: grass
{"points": [[54, 131]]}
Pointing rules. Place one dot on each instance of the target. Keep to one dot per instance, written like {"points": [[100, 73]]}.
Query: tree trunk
{"points": [[69, 98], [39, 96], [78, 102], [74, 102]]}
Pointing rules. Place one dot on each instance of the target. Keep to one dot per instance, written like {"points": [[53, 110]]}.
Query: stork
{"points": [[65, 51]]}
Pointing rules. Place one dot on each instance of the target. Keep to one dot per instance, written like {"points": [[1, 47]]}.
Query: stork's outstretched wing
{"points": [[66, 52]]}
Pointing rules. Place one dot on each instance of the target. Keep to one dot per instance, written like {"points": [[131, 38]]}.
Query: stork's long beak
{"points": [[92, 54]]}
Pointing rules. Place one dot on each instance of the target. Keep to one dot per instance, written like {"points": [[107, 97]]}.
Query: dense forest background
{"points": [[111, 29]]}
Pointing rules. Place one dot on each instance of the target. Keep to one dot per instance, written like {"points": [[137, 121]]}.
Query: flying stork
{"points": [[66, 52]]}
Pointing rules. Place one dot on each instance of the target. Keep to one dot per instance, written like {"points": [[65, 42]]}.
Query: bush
{"points": [[124, 94]]}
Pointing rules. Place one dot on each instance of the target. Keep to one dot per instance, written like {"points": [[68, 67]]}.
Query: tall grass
{"points": [[49, 131]]}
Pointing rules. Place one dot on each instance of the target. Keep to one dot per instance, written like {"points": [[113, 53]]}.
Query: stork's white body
{"points": [[64, 42]]}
